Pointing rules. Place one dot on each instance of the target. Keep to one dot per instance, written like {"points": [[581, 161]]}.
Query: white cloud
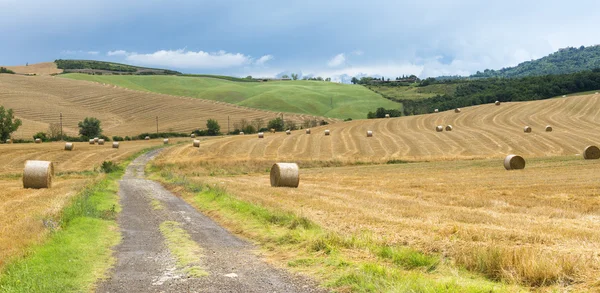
{"points": [[357, 52], [336, 61], [388, 70], [189, 59], [78, 52], [264, 59], [117, 53]]}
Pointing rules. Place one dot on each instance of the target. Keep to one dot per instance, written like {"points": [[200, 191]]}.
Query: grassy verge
{"points": [[186, 251], [345, 263], [78, 253]]}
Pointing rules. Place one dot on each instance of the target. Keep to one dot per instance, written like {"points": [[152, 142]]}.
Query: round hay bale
{"points": [[261, 135], [457, 110], [327, 132], [285, 175], [436, 110], [596, 93], [68, 146], [591, 152], [9, 141], [387, 115], [166, 141], [369, 133], [514, 162], [241, 133], [439, 128], [548, 128], [193, 135], [147, 138], [196, 143], [95, 139], [92, 141], [272, 130], [288, 132], [38, 174], [308, 131], [497, 103], [564, 96], [37, 140], [527, 129], [115, 145], [101, 141], [448, 127]]}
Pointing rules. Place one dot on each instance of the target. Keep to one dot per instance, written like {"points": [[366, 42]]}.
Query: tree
{"points": [[249, 77], [213, 127], [54, 131], [41, 135], [8, 124], [258, 123], [354, 80], [295, 76], [276, 124], [328, 79], [90, 127], [285, 76], [290, 125]]}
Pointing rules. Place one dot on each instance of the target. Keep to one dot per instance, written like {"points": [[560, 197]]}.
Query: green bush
{"points": [[109, 167], [212, 127], [276, 124]]}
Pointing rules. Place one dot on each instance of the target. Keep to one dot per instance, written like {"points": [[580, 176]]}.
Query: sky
{"points": [[336, 39]]}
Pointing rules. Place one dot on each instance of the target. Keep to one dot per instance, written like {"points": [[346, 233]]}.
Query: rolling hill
{"points": [[304, 97], [46, 68], [567, 60], [485, 131], [39, 100], [445, 193]]}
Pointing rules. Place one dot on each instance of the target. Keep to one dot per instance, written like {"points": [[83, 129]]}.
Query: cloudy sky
{"points": [[311, 37]]}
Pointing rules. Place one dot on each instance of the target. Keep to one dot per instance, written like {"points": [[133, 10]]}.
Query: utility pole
{"points": [[156, 124], [61, 130]]}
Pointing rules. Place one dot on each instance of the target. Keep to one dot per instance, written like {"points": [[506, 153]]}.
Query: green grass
{"points": [[414, 92], [79, 253], [357, 263], [76, 255], [183, 248], [306, 97]]}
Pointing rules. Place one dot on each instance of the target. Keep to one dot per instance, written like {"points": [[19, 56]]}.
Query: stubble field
{"points": [[27, 215], [446, 194]]}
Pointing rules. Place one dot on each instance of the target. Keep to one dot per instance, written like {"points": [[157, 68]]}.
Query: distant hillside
{"points": [[318, 98], [46, 68], [565, 61], [102, 67]]}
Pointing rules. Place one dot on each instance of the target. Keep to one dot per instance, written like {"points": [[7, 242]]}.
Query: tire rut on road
{"points": [[144, 263]]}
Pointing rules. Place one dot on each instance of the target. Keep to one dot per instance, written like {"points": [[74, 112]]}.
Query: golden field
{"points": [[485, 131], [45, 68], [538, 227], [39, 100], [26, 215]]}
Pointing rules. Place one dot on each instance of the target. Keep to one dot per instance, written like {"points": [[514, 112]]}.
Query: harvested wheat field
{"points": [[484, 131], [26, 215], [45, 68], [538, 227], [39, 100]]}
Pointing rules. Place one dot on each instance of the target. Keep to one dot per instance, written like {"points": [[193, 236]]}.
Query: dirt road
{"points": [[146, 263]]}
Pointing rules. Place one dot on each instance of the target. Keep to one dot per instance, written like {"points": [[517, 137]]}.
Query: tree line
{"points": [[100, 65], [6, 70], [483, 91]]}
